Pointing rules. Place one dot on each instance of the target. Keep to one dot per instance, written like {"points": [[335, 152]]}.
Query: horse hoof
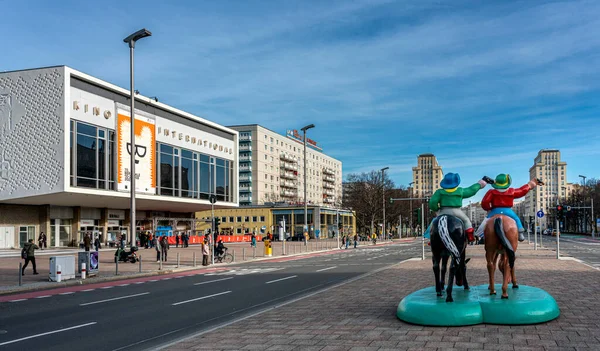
{"points": [[515, 286], [504, 297], [493, 293], [449, 299], [439, 294], [467, 288]]}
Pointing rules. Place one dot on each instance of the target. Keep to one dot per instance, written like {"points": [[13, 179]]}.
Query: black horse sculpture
{"points": [[448, 239]]}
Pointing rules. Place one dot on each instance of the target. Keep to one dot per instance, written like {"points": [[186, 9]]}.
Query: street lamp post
{"points": [[411, 215], [131, 40], [304, 129], [383, 197], [584, 211]]}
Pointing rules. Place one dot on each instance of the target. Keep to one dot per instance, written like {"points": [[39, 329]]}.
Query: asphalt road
{"points": [[578, 246], [146, 315]]}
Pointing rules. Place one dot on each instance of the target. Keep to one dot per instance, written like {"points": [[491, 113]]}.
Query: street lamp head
{"points": [[142, 33], [304, 129], [386, 168]]}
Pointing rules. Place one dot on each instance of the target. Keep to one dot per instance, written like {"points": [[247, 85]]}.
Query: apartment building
{"points": [[548, 167], [427, 176], [272, 165]]}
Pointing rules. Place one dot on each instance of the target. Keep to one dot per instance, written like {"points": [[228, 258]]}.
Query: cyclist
{"points": [[220, 249]]}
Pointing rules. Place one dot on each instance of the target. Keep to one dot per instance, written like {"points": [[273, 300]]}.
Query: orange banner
{"points": [[145, 153]]}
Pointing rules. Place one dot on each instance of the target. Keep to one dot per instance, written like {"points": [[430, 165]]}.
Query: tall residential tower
{"points": [[427, 176]]}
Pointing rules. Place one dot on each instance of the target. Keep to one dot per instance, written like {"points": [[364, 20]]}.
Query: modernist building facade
{"points": [[323, 221], [65, 155], [272, 169], [427, 176], [549, 167]]}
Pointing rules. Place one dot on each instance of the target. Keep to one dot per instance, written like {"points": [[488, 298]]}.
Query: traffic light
{"points": [[391, 201], [417, 211], [217, 223], [560, 211], [530, 219]]}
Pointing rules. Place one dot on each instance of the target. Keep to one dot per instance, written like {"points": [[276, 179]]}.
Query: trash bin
{"points": [[268, 248]]}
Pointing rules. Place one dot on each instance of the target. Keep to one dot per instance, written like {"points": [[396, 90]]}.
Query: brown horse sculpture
{"points": [[501, 240]]}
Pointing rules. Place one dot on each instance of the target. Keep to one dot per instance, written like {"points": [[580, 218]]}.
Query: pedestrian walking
{"points": [[253, 241], [97, 243], [343, 241], [28, 253], [87, 242], [355, 240], [164, 246], [187, 239], [156, 245], [123, 241], [177, 241], [205, 252], [42, 240], [347, 241]]}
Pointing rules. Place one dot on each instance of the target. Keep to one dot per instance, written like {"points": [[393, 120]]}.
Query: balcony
{"points": [[328, 200], [328, 186], [245, 147], [328, 192], [246, 138], [245, 178], [287, 183], [288, 193], [288, 175], [328, 171], [245, 189], [245, 198], [289, 166], [287, 157], [245, 169], [245, 158], [329, 179]]}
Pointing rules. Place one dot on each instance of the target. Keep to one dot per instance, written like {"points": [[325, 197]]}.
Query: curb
{"points": [[76, 282]]}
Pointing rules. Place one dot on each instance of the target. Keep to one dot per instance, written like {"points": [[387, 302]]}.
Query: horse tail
{"points": [[446, 239], [504, 240]]}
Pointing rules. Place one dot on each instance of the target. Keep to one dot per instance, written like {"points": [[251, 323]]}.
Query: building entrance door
{"points": [[7, 237]]}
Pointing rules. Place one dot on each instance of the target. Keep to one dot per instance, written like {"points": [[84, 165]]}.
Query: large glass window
{"points": [[193, 175], [92, 156]]}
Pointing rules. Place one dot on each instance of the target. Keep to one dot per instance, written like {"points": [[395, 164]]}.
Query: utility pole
{"points": [[383, 198], [411, 214], [423, 231]]}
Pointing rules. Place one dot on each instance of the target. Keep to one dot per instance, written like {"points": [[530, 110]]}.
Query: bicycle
{"points": [[224, 258]]}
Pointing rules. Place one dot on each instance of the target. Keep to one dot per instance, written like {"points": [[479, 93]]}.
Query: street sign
{"points": [[540, 213], [213, 199], [568, 208]]}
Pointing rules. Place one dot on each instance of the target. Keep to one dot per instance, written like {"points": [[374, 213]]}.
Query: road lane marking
{"points": [[114, 299], [67, 293], [139, 283], [42, 297], [278, 280], [107, 287], [201, 298], [212, 281], [19, 300], [47, 333], [124, 285], [326, 269]]}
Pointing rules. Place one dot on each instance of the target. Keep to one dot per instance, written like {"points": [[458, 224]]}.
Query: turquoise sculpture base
{"points": [[525, 305]]}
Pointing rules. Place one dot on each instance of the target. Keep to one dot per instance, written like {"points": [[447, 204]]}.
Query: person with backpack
{"points": [[28, 254], [164, 246]]}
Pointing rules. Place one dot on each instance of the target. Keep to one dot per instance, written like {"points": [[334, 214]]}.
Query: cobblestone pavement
{"points": [[361, 315]]}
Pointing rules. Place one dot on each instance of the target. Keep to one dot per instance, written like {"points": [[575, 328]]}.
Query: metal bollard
{"points": [[254, 252], [178, 260], [116, 269], [233, 254], [20, 273], [58, 274], [194, 258], [160, 261], [243, 253], [83, 270], [140, 263]]}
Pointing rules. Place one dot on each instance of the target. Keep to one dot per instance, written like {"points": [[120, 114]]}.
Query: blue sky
{"points": [[484, 85]]}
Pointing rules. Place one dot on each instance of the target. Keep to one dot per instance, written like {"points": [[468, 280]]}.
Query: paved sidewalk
{"points": [[9, 266], [361, 315]]}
